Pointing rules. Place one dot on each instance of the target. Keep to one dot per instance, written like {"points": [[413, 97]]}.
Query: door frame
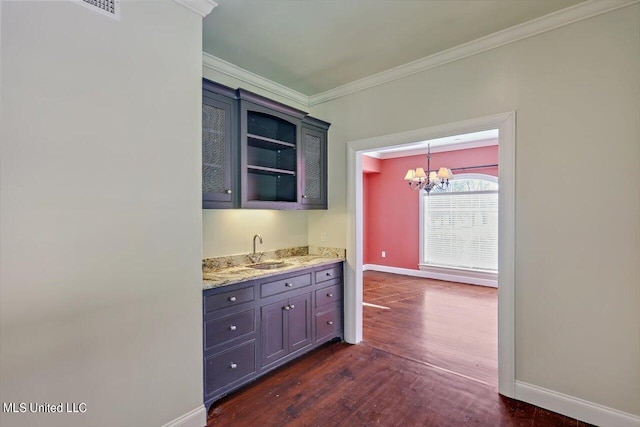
{"points": [[506, 124]]}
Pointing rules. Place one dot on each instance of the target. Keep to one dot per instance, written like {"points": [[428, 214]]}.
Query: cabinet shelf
{"points": [[268, 143], [269, 171]]}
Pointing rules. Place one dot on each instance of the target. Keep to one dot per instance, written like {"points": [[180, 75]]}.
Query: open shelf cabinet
{"points": [[270, 157]]}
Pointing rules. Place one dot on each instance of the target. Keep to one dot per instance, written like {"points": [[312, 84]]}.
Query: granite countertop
{"points": [[241, 273]]}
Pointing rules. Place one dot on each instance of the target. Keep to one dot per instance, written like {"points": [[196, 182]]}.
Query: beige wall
{"points": [[100, 212], [576, 91], [231, 231], [228, 232]]}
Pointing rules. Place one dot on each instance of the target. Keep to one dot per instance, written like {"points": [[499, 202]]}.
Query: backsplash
{"points": [[212, 264], [230, 231], [328, 252]]}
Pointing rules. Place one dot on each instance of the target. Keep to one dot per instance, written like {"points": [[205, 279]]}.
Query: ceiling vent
{"points": [[110, 8]]}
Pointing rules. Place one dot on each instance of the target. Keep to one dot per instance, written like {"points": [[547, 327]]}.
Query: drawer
{"points": [[329, 273], [329, 295], [328, 324], [228, 299], [223, 330], [284, 285], [229, 366]]}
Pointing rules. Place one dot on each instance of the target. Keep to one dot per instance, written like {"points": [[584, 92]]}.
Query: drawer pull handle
{"points": [[304, 196], [288, 284], [329, 274], [233, 365], [232, 299], [330, 295], [228, 191], [292, 306], [329, 322], [232, 328], [286, 307]]}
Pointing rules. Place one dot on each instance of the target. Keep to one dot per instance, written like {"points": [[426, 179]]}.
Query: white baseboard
{"points": [[574, 407], [431, 275], [195, 418]]}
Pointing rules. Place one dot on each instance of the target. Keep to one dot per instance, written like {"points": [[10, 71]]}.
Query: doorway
{"points": [[353, 269], [450, 233]]}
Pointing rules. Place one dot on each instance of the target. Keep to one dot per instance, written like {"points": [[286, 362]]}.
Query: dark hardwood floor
{"points": [[449, 325], [410, 370]]}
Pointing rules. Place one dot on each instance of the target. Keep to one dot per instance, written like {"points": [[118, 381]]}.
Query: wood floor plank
{"points": [[377, 384]]}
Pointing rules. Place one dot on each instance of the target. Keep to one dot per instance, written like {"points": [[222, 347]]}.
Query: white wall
{"points": [[100, 212], [228, 232], [576, 91]]}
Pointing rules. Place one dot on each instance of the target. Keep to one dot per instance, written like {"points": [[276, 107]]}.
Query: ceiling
{"points": [[313, 46]]}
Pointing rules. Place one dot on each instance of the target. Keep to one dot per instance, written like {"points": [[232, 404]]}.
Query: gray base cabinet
{"points": [[253, 327]]}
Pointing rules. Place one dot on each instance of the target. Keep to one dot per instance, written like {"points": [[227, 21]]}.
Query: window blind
{"points": [[461, 230]]}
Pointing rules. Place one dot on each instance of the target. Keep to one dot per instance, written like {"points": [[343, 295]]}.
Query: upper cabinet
{"points": [[219, 147], [313, 170], [261, 154], [269, 153]]}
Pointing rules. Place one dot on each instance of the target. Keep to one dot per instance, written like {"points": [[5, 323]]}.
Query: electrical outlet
{"points": [[323, 236], [384, 254]]}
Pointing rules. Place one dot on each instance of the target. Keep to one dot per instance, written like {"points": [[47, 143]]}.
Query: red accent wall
{"points": [[391, 208]]}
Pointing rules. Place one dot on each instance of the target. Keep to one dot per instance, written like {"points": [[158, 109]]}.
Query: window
{"points": [[459, 225]]}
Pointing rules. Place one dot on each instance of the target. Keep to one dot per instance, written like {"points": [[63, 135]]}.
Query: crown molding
{"points": [[201, 7], [231, 70], [531, 28]]}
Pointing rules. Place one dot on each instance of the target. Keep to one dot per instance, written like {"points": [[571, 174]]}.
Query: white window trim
{"points": [[472, 277]]}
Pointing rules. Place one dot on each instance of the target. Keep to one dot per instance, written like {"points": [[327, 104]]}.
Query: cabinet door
{"points": [[274, 331], [299, 321], [218, 120], [314, 168]]}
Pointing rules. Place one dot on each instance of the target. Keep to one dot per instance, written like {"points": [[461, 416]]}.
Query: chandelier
{"points": [[418, 179]]}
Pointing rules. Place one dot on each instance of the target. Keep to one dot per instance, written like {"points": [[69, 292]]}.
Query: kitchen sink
{"points": [[269, 265]]}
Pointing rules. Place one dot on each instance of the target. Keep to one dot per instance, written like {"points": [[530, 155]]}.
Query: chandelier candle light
{"points": [[418, 179]]}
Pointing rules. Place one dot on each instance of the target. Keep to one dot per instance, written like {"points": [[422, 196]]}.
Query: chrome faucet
{"points": [[255, 257]]}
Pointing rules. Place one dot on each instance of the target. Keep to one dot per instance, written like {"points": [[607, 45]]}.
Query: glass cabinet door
{"points": [[314, 173], [217, 191]]}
